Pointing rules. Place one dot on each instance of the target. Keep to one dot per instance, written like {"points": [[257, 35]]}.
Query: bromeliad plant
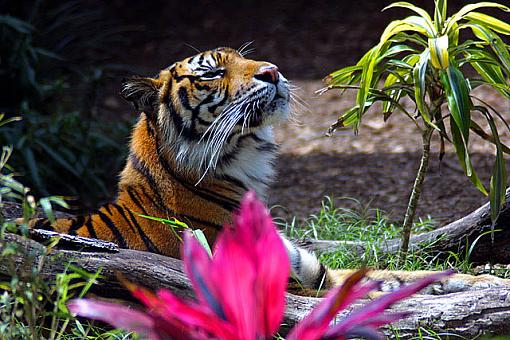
{"points": [[240, 292], [424, 59]]}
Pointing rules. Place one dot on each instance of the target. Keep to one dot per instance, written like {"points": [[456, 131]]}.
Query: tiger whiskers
{"points": [[217, 134], [244, 50]]}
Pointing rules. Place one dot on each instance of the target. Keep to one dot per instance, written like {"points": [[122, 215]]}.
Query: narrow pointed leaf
{"points": [[420, 11], [439, 55], [419, 73], [497, 187], [464, 159], [457, 93], [469, 8], [489, 21], [440, 13], [495, 42]]}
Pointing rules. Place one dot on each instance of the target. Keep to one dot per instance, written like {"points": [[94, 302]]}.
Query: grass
{"points": [[373, 227], [33, 306]]}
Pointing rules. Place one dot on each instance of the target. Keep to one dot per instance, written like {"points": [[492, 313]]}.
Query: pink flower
{"points": [[240, 292]]}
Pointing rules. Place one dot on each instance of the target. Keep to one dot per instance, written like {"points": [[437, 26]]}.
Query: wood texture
{"points": [[466, 313]]}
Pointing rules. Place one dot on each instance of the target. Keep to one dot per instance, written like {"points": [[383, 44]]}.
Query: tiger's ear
{"points": [[141, 92]]}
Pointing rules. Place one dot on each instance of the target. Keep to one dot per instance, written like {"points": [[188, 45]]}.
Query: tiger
{"points": [[204, 137]]}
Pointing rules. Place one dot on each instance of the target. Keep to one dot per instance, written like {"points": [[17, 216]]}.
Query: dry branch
{"points": [[454, 236], [466, 313]]}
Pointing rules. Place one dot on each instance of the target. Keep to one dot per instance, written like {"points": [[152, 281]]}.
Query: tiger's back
{"points": [[188, 159]]}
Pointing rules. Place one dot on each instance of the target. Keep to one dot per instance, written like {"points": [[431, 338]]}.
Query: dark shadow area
{"points": [[382, 180]]}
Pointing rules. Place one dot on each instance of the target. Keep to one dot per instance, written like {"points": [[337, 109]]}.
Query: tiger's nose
{"points": [[269, 74]]}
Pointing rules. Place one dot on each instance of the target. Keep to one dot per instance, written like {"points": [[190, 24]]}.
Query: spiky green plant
{"points": [[423, 58]]}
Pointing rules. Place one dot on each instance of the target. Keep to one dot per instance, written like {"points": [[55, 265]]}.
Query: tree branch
{"points": [[454, 236], [466, 313]]}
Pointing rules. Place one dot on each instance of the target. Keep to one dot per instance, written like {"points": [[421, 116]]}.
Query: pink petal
{"points": [[192, 315], [317, 322], [244, 283], [373, 323], [181, 317], [197, 265], [234, 276], [273, 271], [116, 315], [255, 229], [378, 306]]}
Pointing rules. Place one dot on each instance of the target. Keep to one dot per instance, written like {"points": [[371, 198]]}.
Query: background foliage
{"points": [[53, 60]]}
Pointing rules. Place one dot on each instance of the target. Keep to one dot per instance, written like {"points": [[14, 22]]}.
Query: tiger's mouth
{"points": [[274, 110]]}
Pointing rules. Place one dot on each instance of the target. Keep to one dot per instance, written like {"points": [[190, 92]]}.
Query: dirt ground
{"points": [[377, 166]]}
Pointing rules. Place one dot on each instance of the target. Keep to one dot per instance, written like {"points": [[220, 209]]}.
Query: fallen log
{"points": [[454, 236], [466, 313]]}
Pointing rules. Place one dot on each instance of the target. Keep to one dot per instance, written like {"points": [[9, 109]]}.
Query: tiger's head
{"points": [[202, 106]]}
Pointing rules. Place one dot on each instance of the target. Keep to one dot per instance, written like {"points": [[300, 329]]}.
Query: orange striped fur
{"points": [[152, 182]]}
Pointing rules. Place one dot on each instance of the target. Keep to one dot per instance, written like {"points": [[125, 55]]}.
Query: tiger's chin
{"points": [[276, 111]]}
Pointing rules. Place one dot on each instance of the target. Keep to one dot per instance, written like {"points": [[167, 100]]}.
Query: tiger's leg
{"points": [[314, 276], [118, 223], [392, 280]]}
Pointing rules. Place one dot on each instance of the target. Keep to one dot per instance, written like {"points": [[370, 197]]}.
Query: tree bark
{"points": [[454, 236], [414, 199], [467, 313]]}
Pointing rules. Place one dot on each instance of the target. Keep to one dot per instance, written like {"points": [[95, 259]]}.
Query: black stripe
{"points": [[144, 170], [225, 202], [121, 212], [77, 224], [222, 102], [135, 200], [183, 97], [267, 147], [42, 223], [107, 207], [148, 243], [90, 228], [320, 279], [235, 181], [113, 228]]}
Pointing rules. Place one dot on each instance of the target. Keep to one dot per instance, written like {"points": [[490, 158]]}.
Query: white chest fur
{"points": [[253, 162]]}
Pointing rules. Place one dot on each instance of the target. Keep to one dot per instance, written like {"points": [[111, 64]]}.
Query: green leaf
{"points": [[469, 8], [430, 28], [16, 24], [463, 156], [47, 209], [493, 75], [439, 55], [199, 235], [498, 180], [174, 222], [457, 94], [495, 42], [490, 22], [419, 73], [342, 76], [365, 84], [440, 13]]}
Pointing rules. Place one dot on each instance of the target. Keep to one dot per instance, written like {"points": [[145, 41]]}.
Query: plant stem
{"points": [[412, 205]]}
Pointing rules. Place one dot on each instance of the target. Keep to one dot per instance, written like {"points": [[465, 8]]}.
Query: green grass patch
{"points": [[373, 227]]}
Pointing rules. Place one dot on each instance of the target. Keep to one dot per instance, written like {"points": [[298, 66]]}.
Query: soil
{"points": [[375, 167]]}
